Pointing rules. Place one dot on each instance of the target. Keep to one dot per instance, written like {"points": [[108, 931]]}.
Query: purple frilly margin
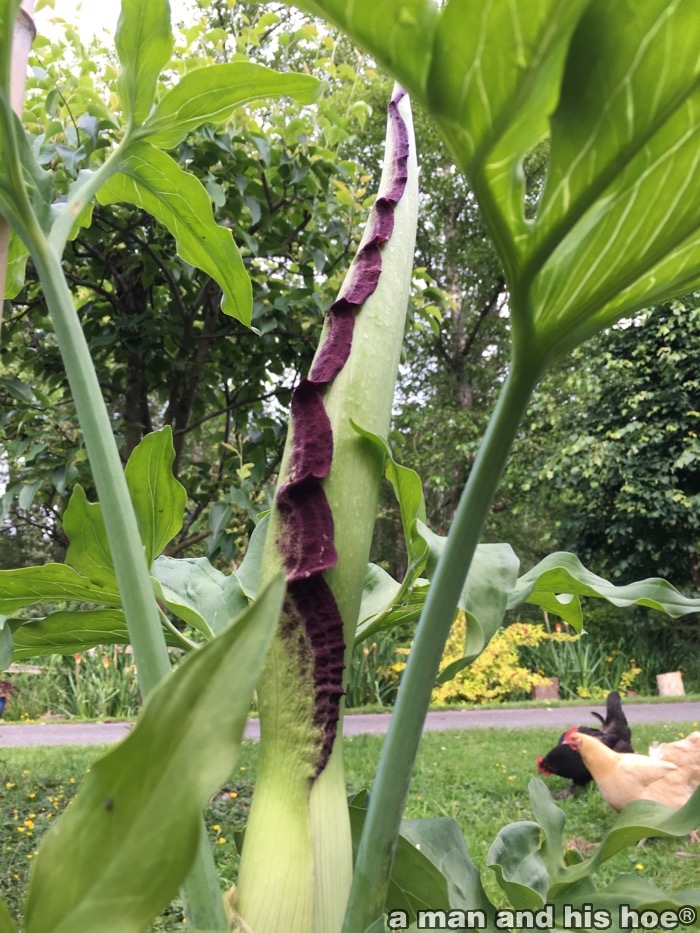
{"points": [[306, 523]]}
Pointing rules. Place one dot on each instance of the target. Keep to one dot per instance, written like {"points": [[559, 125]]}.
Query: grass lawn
{"points": [[479, 777]]}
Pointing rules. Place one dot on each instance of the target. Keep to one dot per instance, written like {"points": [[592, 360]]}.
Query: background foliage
{"points": [[293, 186]]}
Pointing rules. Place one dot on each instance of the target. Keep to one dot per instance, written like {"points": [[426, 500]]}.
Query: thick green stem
{"points": [[82, 196], [202, 890], [140, 608], [376, 851]]}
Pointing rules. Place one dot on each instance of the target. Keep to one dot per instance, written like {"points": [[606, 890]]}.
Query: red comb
{"points": [[569, 733]]}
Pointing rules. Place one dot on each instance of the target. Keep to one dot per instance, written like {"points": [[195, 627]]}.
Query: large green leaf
{"points": [[6, 647], [639, 820], [380, 590], [210, 94], [557, 582], [493, 83], [485, 595], [484, 598], [387, 603], [441, 840], [144, 42], [618, 226], [517, 862], [50, 583], [415, 883], [249, 571], [401, 602], [7, 924], [487, 71], [152, 180], [551, 819], [117, 856], [408, 489], [199, 593], [159, 499], [26, 190], [70, 631], [398, 33], [628, 893], [88, 550], [16, 265]]}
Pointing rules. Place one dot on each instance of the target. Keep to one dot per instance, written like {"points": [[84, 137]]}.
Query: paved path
{"points": [[67, 733]]}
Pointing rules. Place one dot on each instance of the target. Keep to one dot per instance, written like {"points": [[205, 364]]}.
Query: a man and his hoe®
{"points": [[585, 917]]}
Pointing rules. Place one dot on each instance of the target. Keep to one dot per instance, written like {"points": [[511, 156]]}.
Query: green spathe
{"points": [[297, 860]]}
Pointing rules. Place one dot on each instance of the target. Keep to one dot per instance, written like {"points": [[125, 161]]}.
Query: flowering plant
{"points": [[616, 228]]}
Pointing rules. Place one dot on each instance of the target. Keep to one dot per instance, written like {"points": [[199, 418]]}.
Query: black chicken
{"points": [[565, 762]]}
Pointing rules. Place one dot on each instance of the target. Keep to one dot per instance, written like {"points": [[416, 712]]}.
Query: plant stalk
{"points": [[82, 195], [201, 889], [140, 607], [387, 800], [22, 39]]}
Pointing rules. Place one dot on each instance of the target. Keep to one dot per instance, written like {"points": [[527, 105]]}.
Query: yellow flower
{"points": [[221, 840], [20, 829], [233, 794], [25, 772], [639, 866], [216, 827], [29, 824], [9, 784], [71, 780]]}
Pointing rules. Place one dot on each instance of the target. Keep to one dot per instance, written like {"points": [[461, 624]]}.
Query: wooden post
{"points": [[548, 691], [670, 684], [22, 39]]}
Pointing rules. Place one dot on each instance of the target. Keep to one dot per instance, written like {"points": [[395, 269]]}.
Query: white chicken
{"points": [[668, 774]]}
